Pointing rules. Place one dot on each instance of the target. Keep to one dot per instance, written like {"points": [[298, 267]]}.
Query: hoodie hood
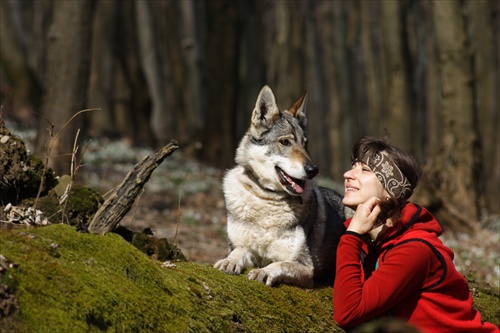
{"points": [[414, 219]]}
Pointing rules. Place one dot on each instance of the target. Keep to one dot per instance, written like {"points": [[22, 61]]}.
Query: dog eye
{"points": [[285, 142]]}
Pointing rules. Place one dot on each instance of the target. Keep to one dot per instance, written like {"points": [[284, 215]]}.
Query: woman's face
{"points": [[360, 184]]}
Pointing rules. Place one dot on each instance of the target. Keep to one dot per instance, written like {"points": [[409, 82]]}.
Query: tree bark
{"points": [[344, 35], [222, 58], [67, 81], [398, 108], [26, 89], [251, 66], [374, 110], [103, 67], [323, 97], [485, 42], [136, 103], [193, 96], [121, 200], [451, 173], [151, 67]]}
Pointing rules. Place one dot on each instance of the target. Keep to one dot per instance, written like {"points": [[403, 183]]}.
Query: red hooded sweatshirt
{"points": [[408, 275]]}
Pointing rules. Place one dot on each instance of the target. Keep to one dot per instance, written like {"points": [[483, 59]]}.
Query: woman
{"points": [[390, 261]]}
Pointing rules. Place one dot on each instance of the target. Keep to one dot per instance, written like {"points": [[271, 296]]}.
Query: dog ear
{"points": [[266, 110], [298, 110]]}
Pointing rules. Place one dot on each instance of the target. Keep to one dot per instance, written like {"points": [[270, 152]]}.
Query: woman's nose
{"points": [[349, 174]]}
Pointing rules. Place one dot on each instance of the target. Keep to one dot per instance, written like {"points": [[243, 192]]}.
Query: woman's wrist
{"points": [[355, 228], [354, 233]]}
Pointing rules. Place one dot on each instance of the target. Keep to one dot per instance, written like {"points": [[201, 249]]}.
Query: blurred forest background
{"points": [[425, 72]]}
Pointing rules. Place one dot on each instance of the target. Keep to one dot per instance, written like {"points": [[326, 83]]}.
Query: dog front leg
{"points": [[284, 272], [236, 261]]}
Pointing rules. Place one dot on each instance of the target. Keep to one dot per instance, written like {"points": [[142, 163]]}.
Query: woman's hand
{"points": [[365, 216]]}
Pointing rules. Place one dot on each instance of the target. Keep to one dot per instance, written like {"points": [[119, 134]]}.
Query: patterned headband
{"points": [[391, 177]]}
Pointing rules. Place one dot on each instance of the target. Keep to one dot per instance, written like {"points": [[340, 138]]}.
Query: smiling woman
{"points": [[393, 183], [378, 273]]}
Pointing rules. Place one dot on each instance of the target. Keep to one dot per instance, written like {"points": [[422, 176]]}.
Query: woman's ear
{"points": [[389, 222]]}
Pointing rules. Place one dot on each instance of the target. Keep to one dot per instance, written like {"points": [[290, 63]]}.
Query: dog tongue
{"points": [[297, 188]]}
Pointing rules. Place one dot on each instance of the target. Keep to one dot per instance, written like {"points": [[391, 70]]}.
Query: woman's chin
{"points": [[349, 203]]}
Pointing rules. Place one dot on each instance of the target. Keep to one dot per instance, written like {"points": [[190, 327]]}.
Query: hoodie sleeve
{"points": [[356, 301]]}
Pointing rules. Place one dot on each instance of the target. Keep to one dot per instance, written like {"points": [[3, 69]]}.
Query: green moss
{"points": [[37, 169], [83, 203], [486, 298], [157, 249], [69, 281], [74, 282]]}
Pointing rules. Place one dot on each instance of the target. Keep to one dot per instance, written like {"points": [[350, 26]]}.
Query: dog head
{"points": [[274, 148]]}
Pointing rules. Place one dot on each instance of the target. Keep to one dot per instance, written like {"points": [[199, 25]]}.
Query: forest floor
{"points": [[183, 202]]}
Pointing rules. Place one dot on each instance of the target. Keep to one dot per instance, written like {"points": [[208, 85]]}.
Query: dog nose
{"points": [[311, 170]]}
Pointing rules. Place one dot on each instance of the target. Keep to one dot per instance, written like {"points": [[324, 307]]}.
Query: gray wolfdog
{"points": [[278, 220]]}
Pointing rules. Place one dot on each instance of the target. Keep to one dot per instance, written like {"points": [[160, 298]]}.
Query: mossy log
{"points": [[61, 280], [121, 200]]}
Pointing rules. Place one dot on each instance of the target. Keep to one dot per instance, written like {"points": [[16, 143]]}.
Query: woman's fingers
{"points": [[365, 216]]}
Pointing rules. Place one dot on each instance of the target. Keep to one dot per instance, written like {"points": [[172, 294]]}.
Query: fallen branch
{"points": [[121, 200]]}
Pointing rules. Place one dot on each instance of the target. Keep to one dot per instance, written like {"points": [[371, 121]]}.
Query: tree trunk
{"points": [[103, 67], [137, 103], [398, 108], [26, 89], [67, 81], [151, 66], [322, 95], [485, 42], [251, 66], [194, 95], [222, 57], [344, 34], [374, 107], [451, 173]]}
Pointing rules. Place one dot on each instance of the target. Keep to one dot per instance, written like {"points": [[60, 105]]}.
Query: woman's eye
{"points": [[285, 142]]}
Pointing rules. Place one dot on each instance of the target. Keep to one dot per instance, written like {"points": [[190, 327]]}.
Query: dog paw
{"points": [[283, 272], [262, 276], [229, 266]]}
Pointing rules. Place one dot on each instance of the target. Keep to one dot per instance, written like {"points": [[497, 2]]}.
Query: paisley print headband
{"points": [[391, 177]]}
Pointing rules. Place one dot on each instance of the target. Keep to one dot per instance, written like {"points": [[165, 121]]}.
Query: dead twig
{"points": [[49, 145], [179, 214]]}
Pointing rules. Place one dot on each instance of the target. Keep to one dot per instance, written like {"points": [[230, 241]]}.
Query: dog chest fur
{"points": [[247, 201], [264, 223]]}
